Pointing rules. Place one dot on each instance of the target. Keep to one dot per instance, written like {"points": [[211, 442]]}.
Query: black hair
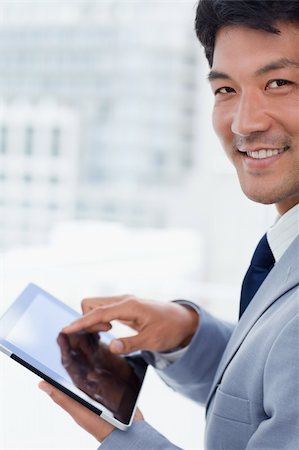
{"points": [[211, 15]]}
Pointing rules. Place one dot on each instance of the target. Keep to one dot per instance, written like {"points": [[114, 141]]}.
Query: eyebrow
{"points": [[274, 65], [282, 63], [216, 75]]}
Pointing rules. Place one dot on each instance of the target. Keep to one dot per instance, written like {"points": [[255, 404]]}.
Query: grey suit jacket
{"points": [[247, 375]]}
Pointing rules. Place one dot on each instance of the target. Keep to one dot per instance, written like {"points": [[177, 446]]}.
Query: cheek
{"points": [[222, 125]]}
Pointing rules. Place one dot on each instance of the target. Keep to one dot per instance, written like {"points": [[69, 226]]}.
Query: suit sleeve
{"points": [[140, 436], [281, 394], [192, 375]]}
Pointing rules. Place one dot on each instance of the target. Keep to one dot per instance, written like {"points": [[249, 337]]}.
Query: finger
{"points": [[88, 304], [63, 400], [99, 327], [92, 326], [127, 345], [83, 416], [138, 415], [104, 315], [87, 419]]}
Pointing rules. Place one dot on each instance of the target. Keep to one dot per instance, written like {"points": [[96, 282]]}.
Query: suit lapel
{"points": [[283, 277]]}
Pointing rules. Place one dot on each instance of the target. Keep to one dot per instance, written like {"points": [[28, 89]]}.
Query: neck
{"points": [[284, 207]]}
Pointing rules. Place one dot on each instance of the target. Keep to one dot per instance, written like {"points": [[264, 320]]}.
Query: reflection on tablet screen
{"points": [[103, 376]]}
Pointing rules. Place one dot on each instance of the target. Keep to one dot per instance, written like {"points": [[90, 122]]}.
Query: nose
{"points": [[250, 115]]}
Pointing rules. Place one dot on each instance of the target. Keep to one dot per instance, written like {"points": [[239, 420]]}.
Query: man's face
{"points": [[255, 78]]}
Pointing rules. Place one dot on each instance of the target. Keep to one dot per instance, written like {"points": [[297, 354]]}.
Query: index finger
{"points": [[101, 317], [91, 303]]}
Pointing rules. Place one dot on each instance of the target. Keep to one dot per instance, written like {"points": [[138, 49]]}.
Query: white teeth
{"points": [[266, 153], [272, 152]]}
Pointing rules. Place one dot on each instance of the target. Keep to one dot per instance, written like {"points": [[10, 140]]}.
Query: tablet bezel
{"points": [[7, 322]]}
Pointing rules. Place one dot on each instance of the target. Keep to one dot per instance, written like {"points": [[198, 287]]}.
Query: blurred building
{"points": [[38, 170], [127, 70]]}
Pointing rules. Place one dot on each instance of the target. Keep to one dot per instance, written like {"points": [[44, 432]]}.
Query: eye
{"points": [[275, 84], [224, 90]]}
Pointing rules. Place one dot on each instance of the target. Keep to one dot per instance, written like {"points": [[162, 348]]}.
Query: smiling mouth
{"points": [[264, 153]]}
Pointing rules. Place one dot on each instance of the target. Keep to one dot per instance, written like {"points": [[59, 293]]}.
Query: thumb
{"points": [[125, 345]]}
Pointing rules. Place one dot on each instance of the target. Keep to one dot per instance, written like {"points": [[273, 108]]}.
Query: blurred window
{"points": [[29, 137], [3, 140], [55, 142], [27, 178]]}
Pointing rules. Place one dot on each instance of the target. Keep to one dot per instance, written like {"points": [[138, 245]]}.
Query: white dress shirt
{"points": [[280, 236], [283, 232]]}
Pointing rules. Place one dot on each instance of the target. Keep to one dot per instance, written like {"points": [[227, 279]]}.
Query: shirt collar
{"points": [[283, 232]]}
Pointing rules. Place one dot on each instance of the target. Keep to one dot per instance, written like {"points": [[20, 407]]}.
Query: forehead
{"points": [[237, 46]]}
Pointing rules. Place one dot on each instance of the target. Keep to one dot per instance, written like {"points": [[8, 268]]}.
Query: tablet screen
{"points": [[80, 362]]}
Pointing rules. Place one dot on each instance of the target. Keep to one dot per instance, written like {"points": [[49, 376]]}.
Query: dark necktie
{"points": [[261, 264]]}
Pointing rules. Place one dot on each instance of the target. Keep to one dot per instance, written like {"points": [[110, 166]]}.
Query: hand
{"points": [[160, 326], [87, 419]]}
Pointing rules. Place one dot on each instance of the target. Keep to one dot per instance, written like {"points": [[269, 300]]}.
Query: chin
{"points": [[265, 198], [282, 202], [261, 200]]}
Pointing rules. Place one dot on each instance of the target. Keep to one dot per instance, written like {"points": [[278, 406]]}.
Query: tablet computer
{"points": [[79, 364]]}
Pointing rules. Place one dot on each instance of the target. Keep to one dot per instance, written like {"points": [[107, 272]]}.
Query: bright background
{"points": [[112, 181]]}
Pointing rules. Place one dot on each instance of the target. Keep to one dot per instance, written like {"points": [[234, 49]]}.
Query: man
{"points": [[247, 375]]}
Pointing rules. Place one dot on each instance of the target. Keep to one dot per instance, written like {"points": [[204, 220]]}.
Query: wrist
{"points": [[104, 431], [192, 323]]}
